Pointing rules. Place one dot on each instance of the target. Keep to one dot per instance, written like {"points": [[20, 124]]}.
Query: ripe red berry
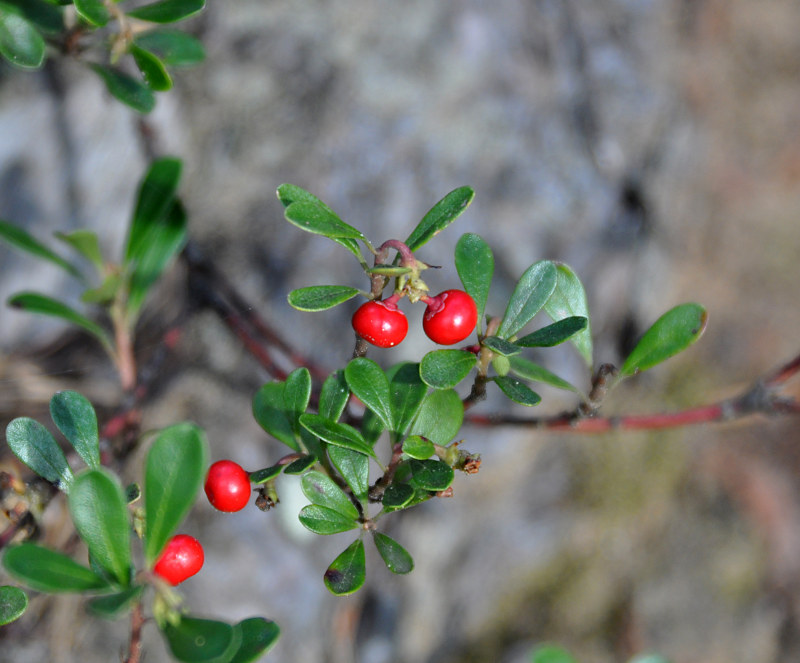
{"points": [[182, 558], [380, 323], [450, 317], [227, 486]]}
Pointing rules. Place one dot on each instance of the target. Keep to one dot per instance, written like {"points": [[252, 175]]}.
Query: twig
{"points": [[135, 642]]}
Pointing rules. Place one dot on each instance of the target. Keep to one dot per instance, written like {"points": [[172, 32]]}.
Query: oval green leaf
{"points": [[99, 511], [395, 557], [528, 370], [440, 417], [336, 433], [86, 243], [152, 69], [319, 220], [320, 297], [347, 572], [397, 495], [175, 468], [567, 300], [267, 474], [441, 215], [431, 474], [76, 419], [443, 369], [258, 636], [418, 447], [323, 491], [407, 391], [371, 386], [41, 13], [501, 346], [354, 468], [173, 47], [20, 42], [20, 239], [167, 11], [672, 333], [49, 571], [333, 396], [124, 88], [300, 465], [475, 267], [517, 391], [296, 395], [196, 640], [530, 294], [322, 520], [114, 605], [269, 412], [552, 335], [13, 603], [93, 11], [33, 444]]}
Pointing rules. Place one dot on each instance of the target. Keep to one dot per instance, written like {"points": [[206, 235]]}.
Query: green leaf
{"points": [[395, 557], [320, 297], [268, 473], [126, 89], [20, 42], [152, 69], [76, 419], [530, 294], [113, 605], [672, 333], [371, 427], [397, 495], [300, 465], [13, 603], [530, 371], [202, 640], [86, 243], [475, 266], [93, 11], [33, 302], [296, 395], [552, 335], [317, 219], [258, 636], [336, 433], [175, 468], [49, 571], [347, 572], [431, 474], [441, 215], [501, 346], [42, 14], [354, 468], [440, 417], [20, 239], [269, 412], [418, 447], [551, 654], [175, 48], [517, 391], [167, 11], [106, 292], [407, 391], [443, 369], [569, 299], [323, 491], [323, 520], [334, 395], [99, 511], [371, 386], [291, 193], [33, 444]]}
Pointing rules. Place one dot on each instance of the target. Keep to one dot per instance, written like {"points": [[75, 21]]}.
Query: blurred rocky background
{"points": [[654, 145]]}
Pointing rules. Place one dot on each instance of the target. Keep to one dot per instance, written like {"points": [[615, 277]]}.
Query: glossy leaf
{"points": [[321, 490], [475, 267], [126, 89], [369, 383], [296, 395], [300, 465], [552, 335], [395, 557], [291, 193], [407, 391], [528, 370], [33, 444], [517, 391], [76, 419], [501, 346], [418, 447], [167, 11], [20, 239], [269, 412], [99, 511], [20, 42], [397, 495], [114, 605], [440, 417], [323, 520], [13, 603], [196, 640], [354, 468], [431, 474], [46, 17], [347, 572], [371, 427], [173, 47], [530, 294], [320, 297], [267, 474], [336, 433], [551, 654], [567, 300], [49, 571], [152, 69], [319, 220], [86, 243], [672, 333], [93, 11], [258, 636], [443, 369], [174, 471], [441, 215], [333, 396]]}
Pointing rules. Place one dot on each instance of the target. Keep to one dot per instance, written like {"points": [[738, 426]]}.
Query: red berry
{"points": [[450, 317], [380, 323], [182, 558], [227, 486]]}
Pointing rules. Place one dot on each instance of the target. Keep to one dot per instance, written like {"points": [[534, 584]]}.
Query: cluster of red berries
{"points": [[227, 487], [449, 318]]}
